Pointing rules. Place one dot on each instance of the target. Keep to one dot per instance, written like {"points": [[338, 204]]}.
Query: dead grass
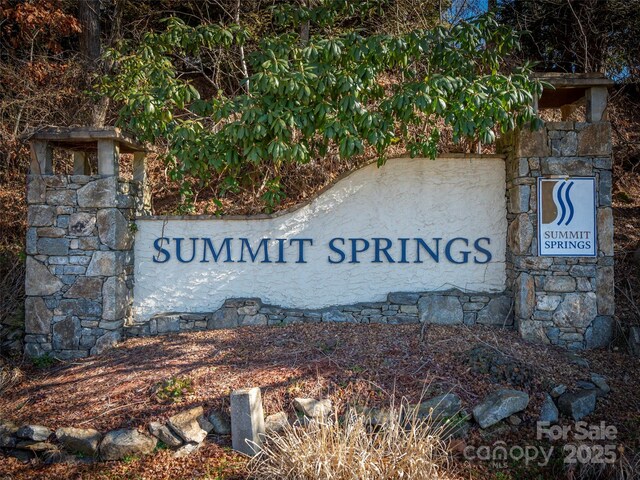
{"points": [[349, 449]]}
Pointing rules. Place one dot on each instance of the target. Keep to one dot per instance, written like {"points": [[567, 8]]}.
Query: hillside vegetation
{"points": [[50, 66]]}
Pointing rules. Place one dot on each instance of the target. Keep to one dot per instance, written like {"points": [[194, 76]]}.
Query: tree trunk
{"points": [[89, 16], [91, 49]]}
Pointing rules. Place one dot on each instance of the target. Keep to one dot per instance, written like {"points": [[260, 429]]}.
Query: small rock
{"points": [[558, 390], [514, 420], [500, 405], [36, 446], [221, 423], [164, 434], [600, 382], [186, 425], [579, 404], [118, 444], [23, 456], [585, 385], [577, 360], [8, 427], [79, 440], [205, 424], [312, 408], [440, 407], [548, 410], [186, 449], [7, 441], [36, 433], [276, 423]]}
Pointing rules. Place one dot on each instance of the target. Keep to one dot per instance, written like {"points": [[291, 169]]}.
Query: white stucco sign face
{"points": [[413, 225], [567, 216]]}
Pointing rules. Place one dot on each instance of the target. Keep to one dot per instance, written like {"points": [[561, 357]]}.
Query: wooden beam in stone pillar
{"points": [[41, 158], [81, 164], [596, 104], [108, 157]]}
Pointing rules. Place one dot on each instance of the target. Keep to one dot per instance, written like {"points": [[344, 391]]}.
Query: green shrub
{"points": [[173, 389]]}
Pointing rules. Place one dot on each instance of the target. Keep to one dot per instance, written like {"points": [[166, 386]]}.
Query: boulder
{"points": [[440, 407], [312, 408], [79, 440], [578, 404], [276, 423], [122, 443], [548, 410], [35, 433], [164, 434], [500, 405], [186, 425], [221, 422]]}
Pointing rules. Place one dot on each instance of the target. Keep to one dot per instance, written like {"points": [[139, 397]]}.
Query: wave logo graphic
{"points": [[563, 200], [557, 206]]}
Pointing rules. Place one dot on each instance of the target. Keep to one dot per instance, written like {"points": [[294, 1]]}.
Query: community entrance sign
{"points": [[404, 227], [567, 216], [522, 239]]}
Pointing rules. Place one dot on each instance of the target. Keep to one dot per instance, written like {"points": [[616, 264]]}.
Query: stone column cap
{"points": [[86, 139], [568, 88]]}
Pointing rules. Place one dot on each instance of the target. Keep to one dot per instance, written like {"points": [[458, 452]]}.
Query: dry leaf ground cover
{"points": [[349, 363]]}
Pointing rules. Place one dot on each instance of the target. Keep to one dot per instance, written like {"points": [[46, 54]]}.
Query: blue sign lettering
{"points": [[354, 250]]}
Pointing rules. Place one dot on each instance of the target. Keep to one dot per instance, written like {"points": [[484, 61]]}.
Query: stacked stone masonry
{"points": [[443, 308], [79, 274], [80, 265], [560, 300]]}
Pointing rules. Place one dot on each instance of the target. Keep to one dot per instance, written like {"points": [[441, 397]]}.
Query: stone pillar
{"points": [[79, 266], [567, 301]]}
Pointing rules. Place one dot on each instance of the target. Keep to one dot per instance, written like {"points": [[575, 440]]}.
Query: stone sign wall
{"points": [[79, 262], [407, 226], [449, 241], [566, 301]]}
